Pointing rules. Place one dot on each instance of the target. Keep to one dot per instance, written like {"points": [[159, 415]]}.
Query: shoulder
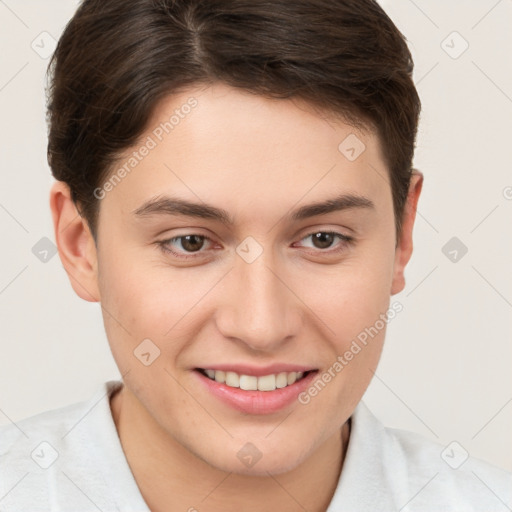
{"points": [[450, 470], [19, 440], [41, 455], [414, 473]]}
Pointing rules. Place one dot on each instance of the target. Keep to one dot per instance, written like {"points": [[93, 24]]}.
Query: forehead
{"points": [[216, 143]]}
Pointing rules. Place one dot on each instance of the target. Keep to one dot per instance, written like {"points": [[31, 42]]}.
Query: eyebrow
{"points": [[174, 206]]}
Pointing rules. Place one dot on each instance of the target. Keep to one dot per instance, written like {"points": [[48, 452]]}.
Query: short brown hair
{"points": [[117, 58]]}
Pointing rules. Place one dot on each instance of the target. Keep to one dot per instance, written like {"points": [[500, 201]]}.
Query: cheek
{"points": [[131, 297], [354, 295], [354, 309], [354, 303], [143, 298]]}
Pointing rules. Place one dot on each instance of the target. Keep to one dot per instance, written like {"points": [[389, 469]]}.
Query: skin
{"points": [[258, 159]]}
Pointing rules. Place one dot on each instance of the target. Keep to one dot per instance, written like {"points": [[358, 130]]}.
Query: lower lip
{"points": [[256, 402]]}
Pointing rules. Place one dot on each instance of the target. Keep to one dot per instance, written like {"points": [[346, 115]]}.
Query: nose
{"points": [[260, 308]]}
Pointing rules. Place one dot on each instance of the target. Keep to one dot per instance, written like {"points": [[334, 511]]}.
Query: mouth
{"points": [[265, 393], [269, 382]]}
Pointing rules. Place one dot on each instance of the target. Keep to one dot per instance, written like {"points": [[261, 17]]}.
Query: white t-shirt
{"points": [[71, 460]]}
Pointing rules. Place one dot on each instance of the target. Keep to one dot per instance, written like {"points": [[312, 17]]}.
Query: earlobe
{"points": [[77, 250], [404, 249]]}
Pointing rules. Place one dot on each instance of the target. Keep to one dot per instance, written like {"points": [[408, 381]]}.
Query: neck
{"points": [[166, 472]]}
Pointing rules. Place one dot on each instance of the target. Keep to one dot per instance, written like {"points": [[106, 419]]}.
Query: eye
{"points": [[324, 240], [192, 243]]}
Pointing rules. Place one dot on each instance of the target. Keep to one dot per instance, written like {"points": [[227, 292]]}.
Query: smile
{"points": [[269, 382], [265, 393]]}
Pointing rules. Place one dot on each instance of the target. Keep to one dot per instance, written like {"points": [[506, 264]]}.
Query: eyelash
{"points": [[347, 240]]}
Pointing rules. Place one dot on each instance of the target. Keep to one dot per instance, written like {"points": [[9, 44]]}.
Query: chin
{"points": [[249, 460]]}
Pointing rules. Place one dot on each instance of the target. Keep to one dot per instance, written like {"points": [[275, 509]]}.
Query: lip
{"points": [[255, 402], [259, 371]]}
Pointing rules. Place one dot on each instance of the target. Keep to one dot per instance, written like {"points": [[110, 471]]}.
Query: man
{"points": [[235, 187]]}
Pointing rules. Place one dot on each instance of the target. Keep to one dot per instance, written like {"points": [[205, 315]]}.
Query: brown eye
{"points": [[191, 243], [322, 240], [184, 246]]}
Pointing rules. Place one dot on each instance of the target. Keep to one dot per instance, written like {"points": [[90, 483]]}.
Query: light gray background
{"points": [[445, 370]]}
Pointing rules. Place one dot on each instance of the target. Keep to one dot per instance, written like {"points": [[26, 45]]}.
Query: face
{"points": [[251, 280]]}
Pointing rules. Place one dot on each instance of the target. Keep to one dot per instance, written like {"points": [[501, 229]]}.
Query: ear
{"points": [[404, 248], [77, 249]]}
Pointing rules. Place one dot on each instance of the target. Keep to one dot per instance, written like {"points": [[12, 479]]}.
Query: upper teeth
{"points": [[251, 382]]}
